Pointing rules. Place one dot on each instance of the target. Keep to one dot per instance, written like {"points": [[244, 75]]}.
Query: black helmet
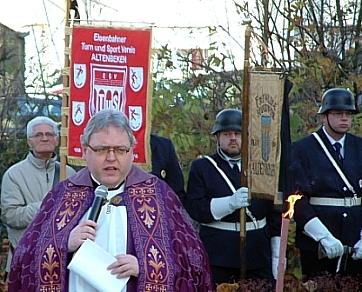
{"points": [[227, 119], [337, 99]]}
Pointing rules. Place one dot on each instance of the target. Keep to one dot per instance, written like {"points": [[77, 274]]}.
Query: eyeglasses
{"points": [[104, 150], [41, 135], [339, 114]]}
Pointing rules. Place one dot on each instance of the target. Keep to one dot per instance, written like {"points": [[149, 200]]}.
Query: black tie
{"points": [[337, 146], [235, 167]]}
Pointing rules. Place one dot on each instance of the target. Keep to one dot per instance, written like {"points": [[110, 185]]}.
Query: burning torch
{"points": [[287, 216]]}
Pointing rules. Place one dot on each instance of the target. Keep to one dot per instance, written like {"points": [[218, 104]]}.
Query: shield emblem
{"points": [[79, 75], [265, 137], [136, 78], [135, 117], [108, 88], [78, 112]]}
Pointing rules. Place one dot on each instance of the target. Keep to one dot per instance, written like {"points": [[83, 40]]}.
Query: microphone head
{"points": [[101, 191]]}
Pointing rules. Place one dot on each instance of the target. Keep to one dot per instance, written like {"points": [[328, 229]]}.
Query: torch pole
{"points": [[286, 218], [282, 254], [245, 145]]}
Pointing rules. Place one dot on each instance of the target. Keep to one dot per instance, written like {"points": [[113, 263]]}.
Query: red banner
{"points": [[109, 69]]}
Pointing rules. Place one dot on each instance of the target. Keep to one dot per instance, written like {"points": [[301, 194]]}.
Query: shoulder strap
{"points": [[56, 173], [227, 180], [334, 163]]}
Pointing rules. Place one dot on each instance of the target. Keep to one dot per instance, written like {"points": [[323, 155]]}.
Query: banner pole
{"points": [[245, 146], [65, 108]]}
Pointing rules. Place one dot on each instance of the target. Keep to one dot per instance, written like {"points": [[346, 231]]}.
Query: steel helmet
{"points": [[227, 120], [337, 99]]}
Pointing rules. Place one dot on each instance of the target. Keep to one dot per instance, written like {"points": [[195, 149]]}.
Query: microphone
{"points": [[100, 193]]}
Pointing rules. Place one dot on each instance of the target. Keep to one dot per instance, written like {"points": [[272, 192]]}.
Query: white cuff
{"points": [[220, 207], [315, 229], [275, 246]]}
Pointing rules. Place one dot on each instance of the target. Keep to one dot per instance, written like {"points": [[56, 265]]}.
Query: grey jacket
{"points": [[24, 186]]}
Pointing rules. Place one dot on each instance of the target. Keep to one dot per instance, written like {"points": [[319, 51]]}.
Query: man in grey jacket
{"points": [[25, 183]]}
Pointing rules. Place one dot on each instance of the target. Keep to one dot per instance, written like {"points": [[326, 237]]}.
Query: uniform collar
{"points": [[332, 141], [228, 159]]}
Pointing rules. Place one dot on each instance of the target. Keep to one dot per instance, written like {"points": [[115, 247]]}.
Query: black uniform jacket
{"points": [[223, 246], [314, 176], [165, 164]]}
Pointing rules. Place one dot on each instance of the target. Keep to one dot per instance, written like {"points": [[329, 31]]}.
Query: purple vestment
{"points": [[170, 254]]}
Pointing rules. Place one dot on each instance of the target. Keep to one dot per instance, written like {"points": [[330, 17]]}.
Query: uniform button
{"points": [[345, 189], [344, 215], [163, 173]]}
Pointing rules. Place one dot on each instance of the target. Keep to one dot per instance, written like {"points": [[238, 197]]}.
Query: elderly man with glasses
{"points": [[141, 226], [25, 183]]}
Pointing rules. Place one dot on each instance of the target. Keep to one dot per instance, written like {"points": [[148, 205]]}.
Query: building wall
{"points": [[12, 62]]}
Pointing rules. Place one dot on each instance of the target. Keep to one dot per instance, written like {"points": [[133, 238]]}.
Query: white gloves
{"points": [[315, 229], [357, 255], [221, 207], [239, 199], [275, 247]]}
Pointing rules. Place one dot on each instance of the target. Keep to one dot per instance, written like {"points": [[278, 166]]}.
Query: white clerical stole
{"points": [[111, 236]]}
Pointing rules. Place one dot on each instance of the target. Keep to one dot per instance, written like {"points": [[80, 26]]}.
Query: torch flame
{"points": [[291, 200]]}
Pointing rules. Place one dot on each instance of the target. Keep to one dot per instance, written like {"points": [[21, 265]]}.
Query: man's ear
{"points": [[322, 118], [29, 143], [84, 151]]}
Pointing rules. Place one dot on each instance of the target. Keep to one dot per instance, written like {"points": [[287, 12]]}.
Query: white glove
{"points": [[315, 229], [275, 248], [357, 255], [221, 207], [239, 199]]}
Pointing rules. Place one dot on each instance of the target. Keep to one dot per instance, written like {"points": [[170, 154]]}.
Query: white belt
{"points": [[235, 226], [344, 202]]}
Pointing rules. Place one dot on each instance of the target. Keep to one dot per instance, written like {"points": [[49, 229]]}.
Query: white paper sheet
{"points": [[91, 262]]}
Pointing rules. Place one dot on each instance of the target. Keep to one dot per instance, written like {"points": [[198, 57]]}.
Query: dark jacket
{"points": [[314, 176], [223, 246], [165, 164]]}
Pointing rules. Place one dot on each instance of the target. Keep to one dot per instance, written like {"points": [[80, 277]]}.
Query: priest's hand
{"points": [[126, 265], [83, 231]]}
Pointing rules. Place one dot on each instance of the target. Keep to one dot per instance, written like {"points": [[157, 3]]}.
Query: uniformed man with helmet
{"points": [[214, 198], [326, 168]]}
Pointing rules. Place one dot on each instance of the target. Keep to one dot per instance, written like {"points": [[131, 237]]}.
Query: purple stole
{"points": [[150, 237]]}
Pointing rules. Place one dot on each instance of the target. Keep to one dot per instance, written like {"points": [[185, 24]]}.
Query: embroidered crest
{"points": [[78, 112], [108, 88], [136, 78], [79, 75], [265, 137], [135, 117]]}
